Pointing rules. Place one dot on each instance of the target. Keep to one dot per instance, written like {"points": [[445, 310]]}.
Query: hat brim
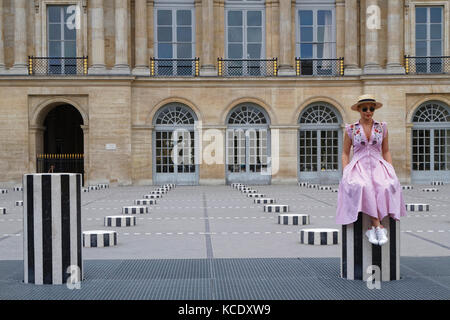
{"points": [[377, 104]]}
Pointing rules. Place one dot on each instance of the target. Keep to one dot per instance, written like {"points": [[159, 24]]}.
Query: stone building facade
{"points": [[276, 101]]}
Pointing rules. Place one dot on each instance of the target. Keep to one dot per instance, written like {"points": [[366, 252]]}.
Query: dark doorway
{"points": [[63, 141]]}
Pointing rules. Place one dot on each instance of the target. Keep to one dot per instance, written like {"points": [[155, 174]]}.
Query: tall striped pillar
{"points": [[358, 253], [52, 228]]}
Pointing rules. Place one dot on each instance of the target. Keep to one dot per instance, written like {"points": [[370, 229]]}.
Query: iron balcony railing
{"points": [[247, 67], [427, 65], [57, 163], [57, 66], [174, 67], [319, 67]]}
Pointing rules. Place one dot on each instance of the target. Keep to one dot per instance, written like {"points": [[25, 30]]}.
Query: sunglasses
{"points": [[364, 109]]}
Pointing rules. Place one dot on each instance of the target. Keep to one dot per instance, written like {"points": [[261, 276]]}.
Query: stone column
{"points": [[351, 64], [141, 39], [98, 38], [121, 23], [20, 38], [286, 64], [208, 66], [2, 46], [394, 27], [86, 154], [372, 64]]}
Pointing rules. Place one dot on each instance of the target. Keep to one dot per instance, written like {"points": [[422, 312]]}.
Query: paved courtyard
{"points": [[213, 242]]}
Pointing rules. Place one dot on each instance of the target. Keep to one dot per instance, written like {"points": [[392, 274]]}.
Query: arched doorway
{"points": [[248, 145], [63, 141], [319, 144], [174, 145], [430, 143]]}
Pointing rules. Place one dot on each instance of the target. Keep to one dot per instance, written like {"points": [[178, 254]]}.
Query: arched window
{"points": [[431, 142], [174, 145], [319, 144], [247, 144]]}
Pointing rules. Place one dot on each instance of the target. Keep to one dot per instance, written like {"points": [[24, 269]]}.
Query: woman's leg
{"points": [[375, 222]]}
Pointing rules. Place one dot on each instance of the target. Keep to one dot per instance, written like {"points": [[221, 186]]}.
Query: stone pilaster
{"points": [[121, 24], [141, 39], [372, 64], [207, 61], [2, 46], [20, 38], [394, 27], [286, 64], [351, 63], [98, 38]]}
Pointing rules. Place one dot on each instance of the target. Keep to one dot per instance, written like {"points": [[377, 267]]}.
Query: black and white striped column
{"points": [[52, 227], [256, 195], [407, 187], [120, 221], [135, 210], [303, 184], [18, 188], [417, 207], [264, 200], [276, 208], [437, 183], [3, 191], [19, 203], [319, 236], [103, 186], [2, 210], [93, 188], [325, 187], [293, 219], [152, 196], [99, 238], [358, 253], [144, 202], [249, 191], [430, 189]]}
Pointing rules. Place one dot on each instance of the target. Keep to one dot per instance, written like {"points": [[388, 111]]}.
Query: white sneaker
{"points": [[381, 235], [372, 236]]}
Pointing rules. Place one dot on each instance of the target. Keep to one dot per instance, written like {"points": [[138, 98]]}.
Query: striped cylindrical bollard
{"points": [[52, 228], [359, 256], [2, 210]]}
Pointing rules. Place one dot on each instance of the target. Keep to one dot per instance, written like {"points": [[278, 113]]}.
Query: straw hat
{"points": [[364, 99]]}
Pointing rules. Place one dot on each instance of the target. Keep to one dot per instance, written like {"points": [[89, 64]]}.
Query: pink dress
{"points": [[369, 183]]}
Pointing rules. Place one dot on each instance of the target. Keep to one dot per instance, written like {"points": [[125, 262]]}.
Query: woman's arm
{"points": [[385, 149], [346, 150]]}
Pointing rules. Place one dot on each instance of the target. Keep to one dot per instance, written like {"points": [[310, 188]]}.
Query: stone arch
{"points": [[40, 112], [150, 117], [340, 110], [417, 104], [267, 109]]}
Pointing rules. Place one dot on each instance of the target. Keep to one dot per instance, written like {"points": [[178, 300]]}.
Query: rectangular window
{"points": [[429, 39], [61, 40], [175, 39], [315, 39]]}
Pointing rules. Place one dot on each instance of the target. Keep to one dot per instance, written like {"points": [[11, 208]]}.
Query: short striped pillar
{"points": [[19, 203], [103, 185], [144, 202], [120, 221], [407, 187], [93, 187], [430, 189], [249, 191], [18, 188], [276, 208], [256, 195], [358, 253], [264, 200], [152, 196], [437, 183], [417, 207], [319, 236], [325, 188], [295, 219], [135, 210], [2, 210], [99, 238], [52, 227], [3, 191]]}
